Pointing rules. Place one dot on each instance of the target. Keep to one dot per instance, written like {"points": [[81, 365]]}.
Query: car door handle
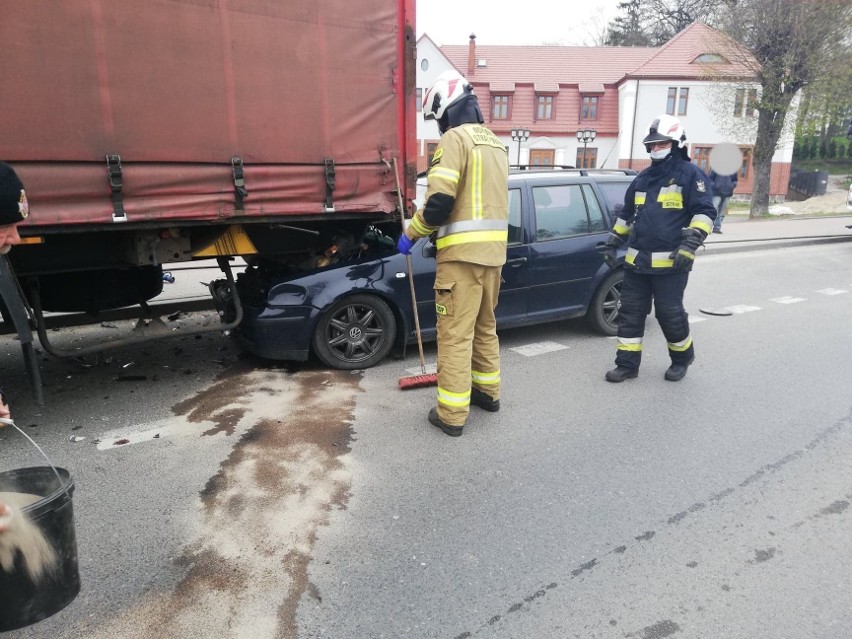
{"points": [[516, 262]]}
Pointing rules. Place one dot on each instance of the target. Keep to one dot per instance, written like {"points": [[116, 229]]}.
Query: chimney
{"points": [[471, 55]]}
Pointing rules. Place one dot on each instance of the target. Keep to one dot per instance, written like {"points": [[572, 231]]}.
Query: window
{"points": [[590, 107], [746, 163], [711, 58], [670, 100], [544, 108], [500, 107], [745, 103], [516, 231], [701, 157], [424, 64], [431, 147], [682, 101], [596, 216], [560, 211], [677, 98], [587, 158], [614, 194], [419, 100], [542, 157]]}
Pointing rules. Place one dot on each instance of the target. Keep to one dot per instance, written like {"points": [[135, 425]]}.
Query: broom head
{"points": [[418, 381]]}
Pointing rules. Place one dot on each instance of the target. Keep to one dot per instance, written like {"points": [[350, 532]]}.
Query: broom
{"points": [[424, 379]]}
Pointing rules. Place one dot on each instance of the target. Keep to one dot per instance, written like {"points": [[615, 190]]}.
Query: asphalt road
{"points": [[257, 500]]}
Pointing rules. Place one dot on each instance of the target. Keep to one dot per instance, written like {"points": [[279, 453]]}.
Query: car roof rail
{"points": [[567, 167]]}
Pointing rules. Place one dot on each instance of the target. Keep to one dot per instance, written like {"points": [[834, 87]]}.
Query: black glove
{"points": [[609, 250], [684, 256]]}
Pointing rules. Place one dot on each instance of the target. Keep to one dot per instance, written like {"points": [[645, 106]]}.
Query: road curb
{"points": [[733, 246]]}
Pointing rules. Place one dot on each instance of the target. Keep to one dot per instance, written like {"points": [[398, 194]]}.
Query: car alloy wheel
{"points": [[355, 332], [603, 311]]}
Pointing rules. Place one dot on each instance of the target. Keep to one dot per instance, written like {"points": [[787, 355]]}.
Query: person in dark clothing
{"points": [[723, 189], [668, 212], [13, 210]]}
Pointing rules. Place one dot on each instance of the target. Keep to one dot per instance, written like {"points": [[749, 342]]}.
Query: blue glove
{"points": [[403, 245]]}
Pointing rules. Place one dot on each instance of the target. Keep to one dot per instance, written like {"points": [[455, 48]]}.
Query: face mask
{"points": [[660, 154]]}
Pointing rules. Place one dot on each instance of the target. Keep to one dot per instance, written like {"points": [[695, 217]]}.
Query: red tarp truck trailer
{"points": [[154, 131]]}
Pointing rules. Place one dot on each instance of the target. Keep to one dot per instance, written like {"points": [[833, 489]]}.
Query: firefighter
{"points": [[668, 212], [466, 207]]}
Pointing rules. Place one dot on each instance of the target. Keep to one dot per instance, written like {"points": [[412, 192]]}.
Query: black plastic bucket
{"points": [[23, 602]]}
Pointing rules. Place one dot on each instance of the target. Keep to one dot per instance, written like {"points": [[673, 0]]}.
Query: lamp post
{"points": [[520, 136], [585, 136]]}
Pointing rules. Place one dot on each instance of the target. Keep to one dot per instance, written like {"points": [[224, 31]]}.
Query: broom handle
{"points": [[414, 308], [408, 268]]}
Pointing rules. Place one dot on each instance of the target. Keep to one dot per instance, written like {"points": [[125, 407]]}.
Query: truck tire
{"points": [[357, 331], [603, 311]]}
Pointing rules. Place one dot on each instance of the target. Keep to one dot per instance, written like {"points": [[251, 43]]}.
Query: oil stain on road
{"points": [[246, 568]]}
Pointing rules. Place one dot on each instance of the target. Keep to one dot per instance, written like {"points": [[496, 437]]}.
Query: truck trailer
{"points": [[152, 132]]}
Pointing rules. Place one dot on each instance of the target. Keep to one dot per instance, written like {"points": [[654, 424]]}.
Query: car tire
{"points": [[603, 311], [355, 332]]}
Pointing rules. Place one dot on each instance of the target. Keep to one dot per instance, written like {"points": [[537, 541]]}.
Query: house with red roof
{"points": [[591, 106]]}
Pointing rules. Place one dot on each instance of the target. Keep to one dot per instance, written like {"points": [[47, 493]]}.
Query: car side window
{"points": [[597, 222], [516, 231], [560, 211], [613, 193]]}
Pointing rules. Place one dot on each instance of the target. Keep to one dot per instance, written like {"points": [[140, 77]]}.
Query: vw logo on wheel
{"points": [[355, 332]]}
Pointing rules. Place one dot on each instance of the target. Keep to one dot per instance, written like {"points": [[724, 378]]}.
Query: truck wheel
{"points": [[603, 311], [356, 332]]}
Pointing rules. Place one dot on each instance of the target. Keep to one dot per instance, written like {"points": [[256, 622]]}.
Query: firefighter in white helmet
{"points": [[466, 207], [668, 212]]}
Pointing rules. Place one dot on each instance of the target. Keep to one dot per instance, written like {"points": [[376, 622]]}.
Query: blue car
{"points": [[351, 305]]}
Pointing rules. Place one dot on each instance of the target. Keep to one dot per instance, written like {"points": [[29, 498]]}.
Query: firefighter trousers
{"points": [[666, 291], [468, 348]]}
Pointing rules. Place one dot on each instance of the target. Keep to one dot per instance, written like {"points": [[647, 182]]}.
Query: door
{"points": [[542, 157], [563, 260], [512, 305]]}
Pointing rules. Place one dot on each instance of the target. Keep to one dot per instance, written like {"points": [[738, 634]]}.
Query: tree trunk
{"points": [[769, 125]]}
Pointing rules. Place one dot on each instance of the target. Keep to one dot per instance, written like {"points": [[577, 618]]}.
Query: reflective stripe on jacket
{"points": [[471, 165], [664, 199]]}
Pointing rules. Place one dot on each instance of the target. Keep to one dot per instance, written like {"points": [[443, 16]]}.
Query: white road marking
{"points": [[695, 320], [831, 291], [739, 309], [788, 300], [539, 348]]}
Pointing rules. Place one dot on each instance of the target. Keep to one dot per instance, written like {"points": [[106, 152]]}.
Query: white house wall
{"points": [[429, 56], [709, 118]]}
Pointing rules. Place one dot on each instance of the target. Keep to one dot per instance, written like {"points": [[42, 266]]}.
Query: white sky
{"points": [[536, 22]]}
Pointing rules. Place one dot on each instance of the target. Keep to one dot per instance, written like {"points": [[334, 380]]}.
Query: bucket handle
{"points": [[9, 422]]}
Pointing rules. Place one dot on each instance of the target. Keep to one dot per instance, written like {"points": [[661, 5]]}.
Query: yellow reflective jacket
{"points": [[471, 165]]}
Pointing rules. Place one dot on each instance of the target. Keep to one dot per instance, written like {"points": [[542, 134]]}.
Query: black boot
{"points": [[677, 372], [484, 400], [452, 431], [620, 373]]}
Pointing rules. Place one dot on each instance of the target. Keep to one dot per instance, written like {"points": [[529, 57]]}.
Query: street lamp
{"points": [[519, 136], [586, 136]]}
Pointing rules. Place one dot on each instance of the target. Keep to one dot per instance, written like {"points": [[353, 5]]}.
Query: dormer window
{"points": [[544, 107], [590, 108], [711, 58], [499, 107]]}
